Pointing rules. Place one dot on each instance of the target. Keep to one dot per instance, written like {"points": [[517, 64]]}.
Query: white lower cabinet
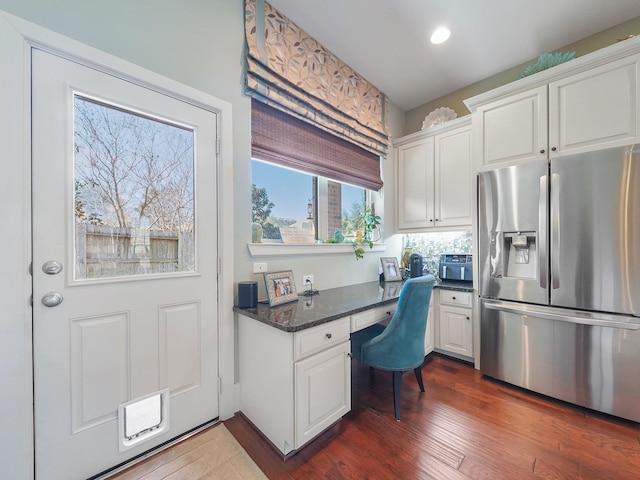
{"points": [[323, 391], [455, 323], [429, 334], [293, 385]]}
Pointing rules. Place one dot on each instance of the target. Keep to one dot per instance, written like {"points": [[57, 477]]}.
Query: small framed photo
{"points": [[390, 269], [280, 287]]}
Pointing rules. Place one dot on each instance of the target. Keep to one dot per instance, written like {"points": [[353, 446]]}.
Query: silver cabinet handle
{"points": [[52, 299], [52, 267]]}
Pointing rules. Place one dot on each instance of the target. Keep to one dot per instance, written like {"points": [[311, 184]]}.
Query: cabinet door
{"points": [[512, 128], [415, 184], [456, 330], [322, 391], [595, 109], [453, 178], [429, 340]]}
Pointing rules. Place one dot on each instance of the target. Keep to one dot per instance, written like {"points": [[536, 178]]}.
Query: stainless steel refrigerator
{"points": [[559, 258]]}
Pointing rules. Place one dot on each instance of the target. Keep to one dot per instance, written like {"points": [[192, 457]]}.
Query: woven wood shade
{"points": [[285, 140]]}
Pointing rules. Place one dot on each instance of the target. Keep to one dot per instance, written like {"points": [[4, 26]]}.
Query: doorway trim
{"points": [[17, 38]]}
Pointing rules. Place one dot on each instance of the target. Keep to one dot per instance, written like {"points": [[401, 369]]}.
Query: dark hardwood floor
{"points": [[465, 426]]}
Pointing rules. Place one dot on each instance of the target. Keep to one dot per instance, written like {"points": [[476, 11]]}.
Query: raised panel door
{"points": [[456, 330], [415, 173], [429, 339], [512, 128], [598, 108], [453, 178], [322, 391]]}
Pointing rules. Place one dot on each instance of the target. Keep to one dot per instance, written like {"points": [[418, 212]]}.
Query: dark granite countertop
{"points": [[332, 304]]}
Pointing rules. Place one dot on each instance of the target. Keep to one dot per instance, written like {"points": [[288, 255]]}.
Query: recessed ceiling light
{"points": [[440, 35]]}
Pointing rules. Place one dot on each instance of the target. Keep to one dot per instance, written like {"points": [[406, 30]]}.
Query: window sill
{"points": [[275, 249]]}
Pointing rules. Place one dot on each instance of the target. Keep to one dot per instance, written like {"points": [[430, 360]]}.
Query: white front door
{"points": [[124, 267]]}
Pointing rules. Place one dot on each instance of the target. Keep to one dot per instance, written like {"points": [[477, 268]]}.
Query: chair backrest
{"points": [[403, 339]]}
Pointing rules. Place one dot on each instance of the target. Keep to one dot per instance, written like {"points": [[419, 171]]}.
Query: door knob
{"points": [[52, 299], [52, 267]]}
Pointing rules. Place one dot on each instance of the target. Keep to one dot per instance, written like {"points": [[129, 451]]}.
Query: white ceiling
{"points": [[387, 41]]}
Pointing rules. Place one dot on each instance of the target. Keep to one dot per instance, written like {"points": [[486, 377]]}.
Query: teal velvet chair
{"points": [[398, 347]]}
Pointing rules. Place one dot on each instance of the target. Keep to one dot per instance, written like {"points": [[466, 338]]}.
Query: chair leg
{"points": [[418, 372], [397, 382]]}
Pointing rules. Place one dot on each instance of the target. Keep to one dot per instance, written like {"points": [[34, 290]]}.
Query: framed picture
{"points": [[390, 269], [280, 287]]}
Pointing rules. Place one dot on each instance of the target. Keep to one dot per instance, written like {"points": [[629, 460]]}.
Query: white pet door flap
{"points": [[143, 418]]}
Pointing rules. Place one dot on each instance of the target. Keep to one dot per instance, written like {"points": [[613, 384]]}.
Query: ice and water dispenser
{"points": [[514, 254]]}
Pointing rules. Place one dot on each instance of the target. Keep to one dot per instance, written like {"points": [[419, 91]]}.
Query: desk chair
{"points": [[398, 347]]}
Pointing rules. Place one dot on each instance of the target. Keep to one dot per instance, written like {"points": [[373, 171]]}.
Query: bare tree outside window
{"points": [[134, 193]]}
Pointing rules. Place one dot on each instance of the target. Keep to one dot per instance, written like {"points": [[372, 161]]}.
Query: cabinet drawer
{"points": [[369, 317], [453, 297], [316, 339]]}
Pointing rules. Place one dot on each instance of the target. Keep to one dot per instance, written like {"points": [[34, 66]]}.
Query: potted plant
{"points": [[370, 221]]}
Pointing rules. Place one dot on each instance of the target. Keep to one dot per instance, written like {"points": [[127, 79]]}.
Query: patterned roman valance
{"points": [[290, 71]]}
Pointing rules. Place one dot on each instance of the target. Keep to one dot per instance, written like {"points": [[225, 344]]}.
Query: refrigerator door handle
{"points": [[542, 232], [555, 231], [569, 316]]}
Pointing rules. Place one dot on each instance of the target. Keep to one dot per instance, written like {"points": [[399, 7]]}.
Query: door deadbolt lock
{"points": [[52, 299], [52, 267]]}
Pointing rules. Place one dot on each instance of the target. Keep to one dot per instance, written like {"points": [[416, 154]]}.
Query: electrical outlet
{"points": [[259, 267], [307, 280]]}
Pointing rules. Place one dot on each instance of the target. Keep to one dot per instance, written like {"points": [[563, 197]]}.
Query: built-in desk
{"points": [[326, 306], [294, 359]]}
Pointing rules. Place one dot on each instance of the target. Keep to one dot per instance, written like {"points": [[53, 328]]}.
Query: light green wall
{"points": [[454, 100]]}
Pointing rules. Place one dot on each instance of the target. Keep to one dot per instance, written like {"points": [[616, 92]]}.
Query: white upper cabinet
{"points": [[452, 180], [414, 173], [433, 177], [595, 109], [512, 128], [589, 103]]}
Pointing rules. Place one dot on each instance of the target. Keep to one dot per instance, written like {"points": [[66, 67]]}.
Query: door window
{"points": [[134, 195]]}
